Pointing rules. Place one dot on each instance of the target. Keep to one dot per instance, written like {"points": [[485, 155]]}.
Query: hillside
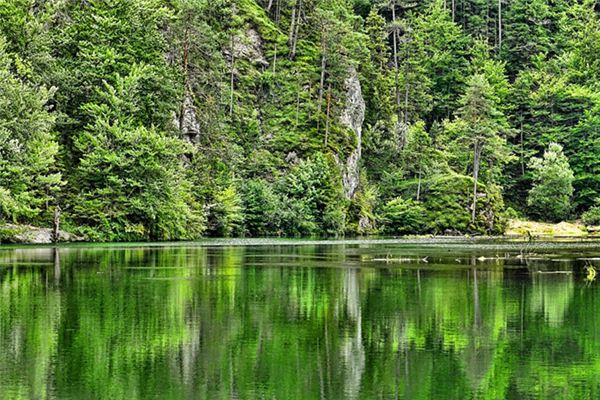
{"points": [[175, 119]]}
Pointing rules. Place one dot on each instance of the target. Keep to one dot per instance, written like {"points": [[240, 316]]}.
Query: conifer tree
{"points": [[550, 197]]}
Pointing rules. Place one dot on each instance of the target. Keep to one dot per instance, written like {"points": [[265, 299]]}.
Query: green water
{"points": [[301, 320]]}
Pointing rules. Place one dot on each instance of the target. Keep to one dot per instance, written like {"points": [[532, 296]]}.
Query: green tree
{"points": [[480, 127], [419, 155], [378, 85], [101, 41], [29, 179], [401, 216], [226, 216], [527, 33], [313, 196], [592, 215], [25, 26], [130, 180], [261, 208], [445, 49], [550, 197], [579, 25]]}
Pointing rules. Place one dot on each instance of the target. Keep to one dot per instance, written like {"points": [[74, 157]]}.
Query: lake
{"points": [[285, 319]]}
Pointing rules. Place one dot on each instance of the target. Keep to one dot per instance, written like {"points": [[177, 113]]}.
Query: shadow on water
{"points": [[448, 319]]}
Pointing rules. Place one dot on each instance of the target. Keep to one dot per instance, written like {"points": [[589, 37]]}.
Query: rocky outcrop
{"points": [[248, 47], [292, 158], [188, 124], [12, 233], [352, 117], [401, 133]]}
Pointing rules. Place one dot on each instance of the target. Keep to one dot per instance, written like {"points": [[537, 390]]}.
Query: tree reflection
{"points": [[297, 322]]}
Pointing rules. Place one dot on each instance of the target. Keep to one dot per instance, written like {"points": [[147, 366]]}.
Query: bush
{"points": [[226, 217], [511, 213], [550, 197], [29, 181], [130, 181], [447, 201], [400, 216], [361, 212], [313, 201], [136, 193], [261, 207], [592, 216]]}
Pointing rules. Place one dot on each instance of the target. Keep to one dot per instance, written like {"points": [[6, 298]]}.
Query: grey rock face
{"points": [[249, 47], [292, 158], [353, 117], [190, 127], [401, 132], [35, 235]]}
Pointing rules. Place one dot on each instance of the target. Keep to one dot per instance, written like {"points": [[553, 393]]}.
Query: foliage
{"points": [[592, 216], [313, 199], [399, 216], [226, 217], [155, 119], [130, 180], [261, 208], [362, 211], [449, 206], [550, 196], [29, 180]]}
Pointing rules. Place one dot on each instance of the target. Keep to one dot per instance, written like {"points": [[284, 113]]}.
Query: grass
{"points": [[526, 228]]}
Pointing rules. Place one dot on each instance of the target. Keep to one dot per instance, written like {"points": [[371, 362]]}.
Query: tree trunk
{"points": [[184, 68], [294, 26], [327, 116], [487, 23], [476, 162], [396, 66], [297, 28], [406, 92], [56, 225], [499, 25], [321, 87], [453, 9], [522, 151], [298, 103], [419, 184], [231, 78], [275, 59]]}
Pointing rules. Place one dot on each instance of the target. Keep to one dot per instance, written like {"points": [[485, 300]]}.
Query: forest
{"points": [[176, 119]]}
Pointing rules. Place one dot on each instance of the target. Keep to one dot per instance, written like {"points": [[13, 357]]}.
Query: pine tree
{"points": [[130, 182], [480, 127], [550, 197], [29, 179]]}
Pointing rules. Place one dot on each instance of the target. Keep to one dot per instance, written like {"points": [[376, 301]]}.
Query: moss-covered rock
{"points": [[446, 201]]}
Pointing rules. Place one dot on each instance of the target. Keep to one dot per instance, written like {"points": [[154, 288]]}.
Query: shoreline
{"points": [[15, 235]]}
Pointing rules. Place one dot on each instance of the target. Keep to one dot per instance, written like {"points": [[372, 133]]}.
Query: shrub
{"points": [[226, 217], [361, 212], [400, 216], [261, 208], [592, 216], [550, 197], [312, 196], [29, 181], [447, 201]]}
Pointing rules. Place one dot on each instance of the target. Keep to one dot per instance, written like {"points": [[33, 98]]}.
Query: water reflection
{"points": [[297, 322]]}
